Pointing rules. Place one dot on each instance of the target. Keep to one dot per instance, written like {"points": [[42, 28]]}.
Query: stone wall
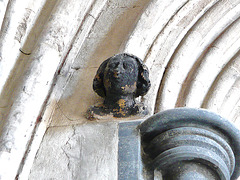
{"points": [[50, 51]]}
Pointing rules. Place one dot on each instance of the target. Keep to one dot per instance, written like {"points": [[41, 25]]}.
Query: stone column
{"points": [[187, 143]]}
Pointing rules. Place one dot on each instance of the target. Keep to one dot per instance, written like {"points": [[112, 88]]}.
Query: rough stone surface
{"points": [[191, 48], [102, 42], [86, 151]]}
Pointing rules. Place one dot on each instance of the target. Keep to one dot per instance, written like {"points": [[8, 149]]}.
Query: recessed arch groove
{"points": [[194, 47], [169, 41], [169, 38], [216, 57], [221, 89]]}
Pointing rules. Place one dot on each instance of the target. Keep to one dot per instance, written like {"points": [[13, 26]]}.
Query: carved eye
{"points": [[113, 65], [125, 65]]}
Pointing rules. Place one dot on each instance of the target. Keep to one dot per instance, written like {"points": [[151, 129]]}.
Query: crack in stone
{"points": [[24, 52], [68, 144]]}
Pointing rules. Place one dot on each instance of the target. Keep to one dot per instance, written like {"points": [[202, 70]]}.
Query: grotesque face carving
{"points": [[121, 76], [119, 80]]}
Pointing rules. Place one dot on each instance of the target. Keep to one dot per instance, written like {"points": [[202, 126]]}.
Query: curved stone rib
{"points": [[37, 80], [153, 20], [12, 56], [168, 41], [183, 60], [84, 28], [235, 115], [211, 65], [200, 51], [16, 18], [221, 89], [231, 99], [3, 7]]}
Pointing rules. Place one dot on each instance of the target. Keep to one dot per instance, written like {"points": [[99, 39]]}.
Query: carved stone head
{"points": [[119, 80]]}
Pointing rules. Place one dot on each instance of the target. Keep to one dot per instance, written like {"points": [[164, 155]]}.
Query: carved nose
{"points": [[119, 68]]}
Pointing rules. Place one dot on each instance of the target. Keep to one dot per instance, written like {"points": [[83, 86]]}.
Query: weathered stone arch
{"points": [[50, 51]]}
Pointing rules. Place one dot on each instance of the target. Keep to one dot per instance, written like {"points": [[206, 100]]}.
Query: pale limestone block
{"points": [[168, 40], [78, 152], [70, 73], [153, 20], [37, 76], [17, 17], [172, 37], [178, 75], [212, 35], [110, 26], [3, 7]]}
